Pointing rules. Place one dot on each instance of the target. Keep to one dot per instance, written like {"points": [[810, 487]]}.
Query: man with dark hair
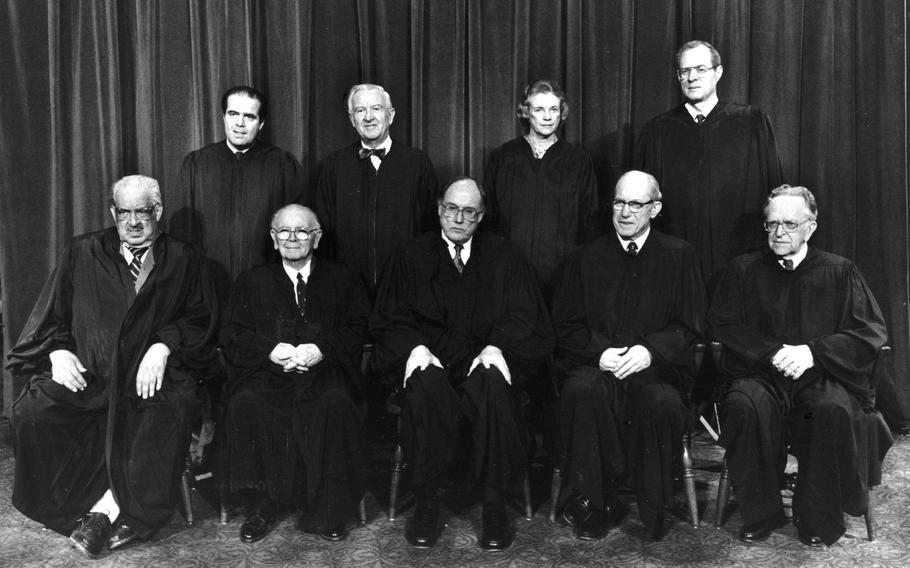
{"points": [[460, 318], [227, 190], [374, 194], [626, 313], [293, 332], [715, 161], [801, 332], [113, 352]]}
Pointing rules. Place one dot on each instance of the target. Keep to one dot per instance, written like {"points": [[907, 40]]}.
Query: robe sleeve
{"points": [[244, 343], [577, 344], [343, 345]]}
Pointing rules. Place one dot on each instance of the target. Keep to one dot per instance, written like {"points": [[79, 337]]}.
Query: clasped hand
{"points": [[793, 360], [624, 361], [296, 359]]}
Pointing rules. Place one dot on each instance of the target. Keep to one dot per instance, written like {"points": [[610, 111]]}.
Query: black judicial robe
{"points": [[545, 206], [608, 298], [496, 301], [277, 419], [714, 177], [366, 214], [109, 436], [224, 204]]}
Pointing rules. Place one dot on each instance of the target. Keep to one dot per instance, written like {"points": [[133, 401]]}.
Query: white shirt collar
{"points": [[465, 251], [387, 145], [639, 241], [706, 107], [292, 272], [234, 149], [797, 257]]}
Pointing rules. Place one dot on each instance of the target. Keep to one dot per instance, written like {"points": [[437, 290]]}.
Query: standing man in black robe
{"points": [[227, 190], [801, 331], [715, 160], [626, 313], [460, 318], [113, 351], [374, 194], [293, 332]]}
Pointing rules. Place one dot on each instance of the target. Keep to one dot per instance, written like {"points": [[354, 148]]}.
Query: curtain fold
{"points": [[97, 89]]}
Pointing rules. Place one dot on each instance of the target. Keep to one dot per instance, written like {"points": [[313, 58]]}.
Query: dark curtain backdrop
{"points": [[93, 90]]}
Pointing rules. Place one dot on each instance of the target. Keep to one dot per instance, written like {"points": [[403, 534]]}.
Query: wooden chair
{"points": [[724, 484], [688, 472]]}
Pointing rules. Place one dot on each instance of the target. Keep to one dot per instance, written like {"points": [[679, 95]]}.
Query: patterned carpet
{"points": [[538, 542]]}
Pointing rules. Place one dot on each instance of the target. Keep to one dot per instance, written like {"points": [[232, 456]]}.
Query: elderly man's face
{"points": [[788, 209], [633, 192], [295, 233], [136, 215], [699, 81], [461, 211], [242, 122], [544, 113], [371, 117]]}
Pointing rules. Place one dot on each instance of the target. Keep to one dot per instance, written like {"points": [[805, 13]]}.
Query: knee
{"points": [[828, 412], [579, 387]]}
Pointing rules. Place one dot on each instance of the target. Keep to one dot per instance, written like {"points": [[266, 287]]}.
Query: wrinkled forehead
{"points": [[787, 208], [368, 97], [698, 55], [243, 104], [631, 190], [294, 218], [132, 196], [463, 194]]}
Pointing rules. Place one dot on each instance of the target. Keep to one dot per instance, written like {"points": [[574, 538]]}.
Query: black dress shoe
{"points": [[576, 510], [91, 533], [123, 534], [335, 534], [258, 523], [422, 530], [599, 522], [497, 530], [757, 532], [811, 541]]}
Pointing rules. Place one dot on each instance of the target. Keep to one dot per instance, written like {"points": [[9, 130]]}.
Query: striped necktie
{"points": [[459, 264], [136, 264], [301, 295]]}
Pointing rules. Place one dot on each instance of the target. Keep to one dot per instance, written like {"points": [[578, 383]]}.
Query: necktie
{"points": [[699, 118], [459, 264], [365, 153], [788, 264], [136, 264], [632, 248], [301, 295]]}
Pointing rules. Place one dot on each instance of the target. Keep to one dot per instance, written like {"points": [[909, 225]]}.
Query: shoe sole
{"points": [[81, 547]]}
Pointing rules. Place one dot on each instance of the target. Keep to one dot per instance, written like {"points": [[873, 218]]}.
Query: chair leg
{"points": [[723, 494], [362, 511], [186, 489], [397, 466], [870, 530], [689, 481], [526, 490], [555, 486]]}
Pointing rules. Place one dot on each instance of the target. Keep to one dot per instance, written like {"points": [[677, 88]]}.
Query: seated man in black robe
{"points": [[293, 332], [113, 352], [460, 318], [626, 313], [801, 332]]}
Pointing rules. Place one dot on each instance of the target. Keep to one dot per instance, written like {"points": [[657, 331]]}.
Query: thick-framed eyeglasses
{"points": [[634, 206], [788, 226], [285, 233], [699, 71], [469, 214], [142, 213]]}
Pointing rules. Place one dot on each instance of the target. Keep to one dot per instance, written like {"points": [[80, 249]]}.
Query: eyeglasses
{"points": [[634, 206], [301, 234], [788, 226], [143, 213], [469, 214], [699, 71]]}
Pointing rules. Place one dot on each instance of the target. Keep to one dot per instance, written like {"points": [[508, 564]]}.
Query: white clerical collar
{"points": [[797, 257], [706, 107], [235, 149], [465, 251], [639, 241], [292, 272]]}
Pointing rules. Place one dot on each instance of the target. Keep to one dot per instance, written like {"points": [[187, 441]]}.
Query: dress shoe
{"points": [[757, 532], [497, 530], [335, 534], [422, 530], [810, 541], [91, 533], [259, 522], [576, 510], [123, 534], [599, 522]]}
